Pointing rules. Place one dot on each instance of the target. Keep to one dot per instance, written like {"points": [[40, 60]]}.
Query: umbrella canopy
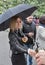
{"points": [[23, 10]]}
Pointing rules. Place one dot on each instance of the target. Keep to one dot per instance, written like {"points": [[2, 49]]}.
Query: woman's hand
{"points": [[31, 52], [24, 39]]}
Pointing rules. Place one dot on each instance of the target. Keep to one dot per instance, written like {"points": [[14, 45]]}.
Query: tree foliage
{"points": [[5, 4]]}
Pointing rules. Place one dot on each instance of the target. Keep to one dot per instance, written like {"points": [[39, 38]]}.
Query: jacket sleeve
{"points": [[16, 45]]}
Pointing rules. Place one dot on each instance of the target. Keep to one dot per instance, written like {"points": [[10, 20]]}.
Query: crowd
{"points": [[24, 32], [22, 37]]}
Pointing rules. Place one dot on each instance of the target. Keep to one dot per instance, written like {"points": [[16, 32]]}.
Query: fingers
{"points": [[40, 56], [32, 52], [37, 55], [39, 63], [40, 52], [38, 59]]}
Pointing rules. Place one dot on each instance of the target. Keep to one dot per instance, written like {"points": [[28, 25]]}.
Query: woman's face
{"points": [[15, 24], [19, 23]]}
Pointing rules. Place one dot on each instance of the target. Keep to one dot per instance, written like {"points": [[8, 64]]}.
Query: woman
{"points": [[16, 42]]}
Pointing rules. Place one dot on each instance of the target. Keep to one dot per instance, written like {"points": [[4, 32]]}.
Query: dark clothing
{"points": [[18, 59], [15, 43], [29, 27], [18, 49]]}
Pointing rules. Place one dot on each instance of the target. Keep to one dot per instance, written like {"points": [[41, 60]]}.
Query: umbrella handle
{"points": [[36, 50]]}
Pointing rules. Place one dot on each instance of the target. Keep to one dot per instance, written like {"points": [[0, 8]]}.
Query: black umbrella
{"points": [[23, 10]]}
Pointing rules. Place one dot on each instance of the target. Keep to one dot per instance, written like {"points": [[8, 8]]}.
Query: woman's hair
{"points": [[42, 19], [13, 21]]}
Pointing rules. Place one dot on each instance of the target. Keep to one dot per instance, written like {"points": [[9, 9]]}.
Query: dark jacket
{"points": [[15, 43], [29, 27]]}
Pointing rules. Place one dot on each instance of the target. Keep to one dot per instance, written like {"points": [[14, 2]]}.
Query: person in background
{"points": [[16, 42], [29, 29], [40, 35], [40, 56], [36, 20]]}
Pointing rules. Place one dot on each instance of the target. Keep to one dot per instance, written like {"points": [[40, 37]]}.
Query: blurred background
{"points": [[5, 4]]}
